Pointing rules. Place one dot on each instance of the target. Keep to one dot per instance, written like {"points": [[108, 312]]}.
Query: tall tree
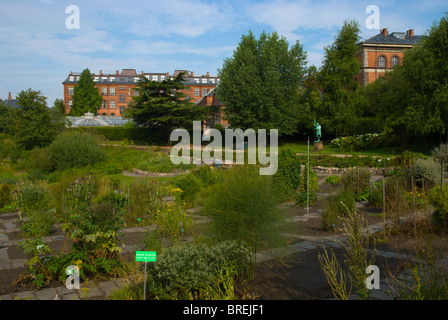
{"points": [[337, 78], [163, 105], [33, 124], [259, 84], [86, 97]]}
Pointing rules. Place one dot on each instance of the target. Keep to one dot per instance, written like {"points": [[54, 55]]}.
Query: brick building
{"points": [[118, 89], [382, 52]]}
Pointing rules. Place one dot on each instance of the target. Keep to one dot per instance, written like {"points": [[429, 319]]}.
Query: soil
{"points": [[295, 277]]}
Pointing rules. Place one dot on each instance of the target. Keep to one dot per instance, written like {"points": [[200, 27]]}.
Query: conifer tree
{"points": [[163, 106]]}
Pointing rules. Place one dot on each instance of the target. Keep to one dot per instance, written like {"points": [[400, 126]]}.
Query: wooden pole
{"points": [[384, 202]]}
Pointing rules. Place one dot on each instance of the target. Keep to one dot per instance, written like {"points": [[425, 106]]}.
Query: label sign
{"points": [[145, 256]]}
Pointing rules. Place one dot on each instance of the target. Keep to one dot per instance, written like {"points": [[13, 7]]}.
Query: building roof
{"points": [[394, 38], [130, 76], [90, 120], [12, 103]]}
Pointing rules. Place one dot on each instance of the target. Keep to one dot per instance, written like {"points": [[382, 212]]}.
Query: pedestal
{"points": [[318, 146]]}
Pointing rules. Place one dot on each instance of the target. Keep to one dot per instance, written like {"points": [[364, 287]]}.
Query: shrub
{"points": [[243, 207], [438, 197], [428, 170], [41, 159], [306, 183], [190, 186], [76, 150], [195, 271], [145, 199], [340, 205], [333, 179], [287, 178], [357, 179]]}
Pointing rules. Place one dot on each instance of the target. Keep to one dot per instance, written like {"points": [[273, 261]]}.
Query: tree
{"points": [[413, 99], [58, 106], [337, 78], [259, 84], [33, 124], [86, 97], [162, 105]]}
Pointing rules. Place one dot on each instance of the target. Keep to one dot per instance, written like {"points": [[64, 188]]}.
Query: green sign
{"points": [[145, 256]]}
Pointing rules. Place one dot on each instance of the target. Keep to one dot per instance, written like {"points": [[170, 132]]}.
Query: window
{"points": [[122, 98], [155, 78], [212, 80], [382, 62], [196, 92], [112, 104], [204, 91], [162, 78], [104, 104], [71, 90], [112, 91], [122, 88], [394, 61], [204, 80], [95, 79], [112, 79], [130, 79], [72, 78], [70, 103], [104, 91], [196, 80]]}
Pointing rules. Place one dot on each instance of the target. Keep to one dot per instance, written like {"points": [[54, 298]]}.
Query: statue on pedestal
{"points": [[318, 145]]}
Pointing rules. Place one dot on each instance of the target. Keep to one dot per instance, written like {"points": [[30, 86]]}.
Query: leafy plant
{"points": [[333, 179], [287, 178], [308, 188]]}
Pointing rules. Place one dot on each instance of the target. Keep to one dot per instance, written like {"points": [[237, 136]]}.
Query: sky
{"points": [[38, 49]]}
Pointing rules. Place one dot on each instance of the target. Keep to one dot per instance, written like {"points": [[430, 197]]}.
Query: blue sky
{"points": [[37, 50]]}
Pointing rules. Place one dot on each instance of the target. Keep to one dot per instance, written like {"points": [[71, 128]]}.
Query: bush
{"points": [[243, 207], [306, 183], [428, 170], [358, 180], [195, 271], [287, 178], [333, 179], [146, 198], [76, 150], [41, 159], [438, 197], [190, 186], [340, 205]]}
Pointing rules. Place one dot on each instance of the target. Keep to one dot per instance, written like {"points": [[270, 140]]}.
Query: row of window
{"points": [[112, 104], [197, 92], [135, 79], [382, 61]]}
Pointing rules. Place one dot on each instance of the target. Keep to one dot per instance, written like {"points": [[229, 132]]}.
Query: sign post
{"points": [[145, 256]]}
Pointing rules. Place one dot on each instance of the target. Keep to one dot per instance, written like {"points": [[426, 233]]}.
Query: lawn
{"points": [[302, 147]]}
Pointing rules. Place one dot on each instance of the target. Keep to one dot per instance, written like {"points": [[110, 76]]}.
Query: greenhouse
{"points": [[90, 120]]}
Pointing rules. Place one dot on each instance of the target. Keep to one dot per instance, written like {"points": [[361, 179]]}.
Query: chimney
{"points": [[384, 32], [192, 73], [101, 72], [142, 72], [9, 97], [71, 72], [167, 74], [117, 72], [208, 74], [410, 33]]}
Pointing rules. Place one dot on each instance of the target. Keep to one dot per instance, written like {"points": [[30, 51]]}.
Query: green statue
{"points": [[317, 128]]}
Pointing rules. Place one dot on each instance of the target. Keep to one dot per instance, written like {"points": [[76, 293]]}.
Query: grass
{"points": [[302, 147]]}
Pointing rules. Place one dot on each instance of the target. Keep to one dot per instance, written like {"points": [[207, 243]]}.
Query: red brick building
{"points": [[382, 52], [118, 89]]}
